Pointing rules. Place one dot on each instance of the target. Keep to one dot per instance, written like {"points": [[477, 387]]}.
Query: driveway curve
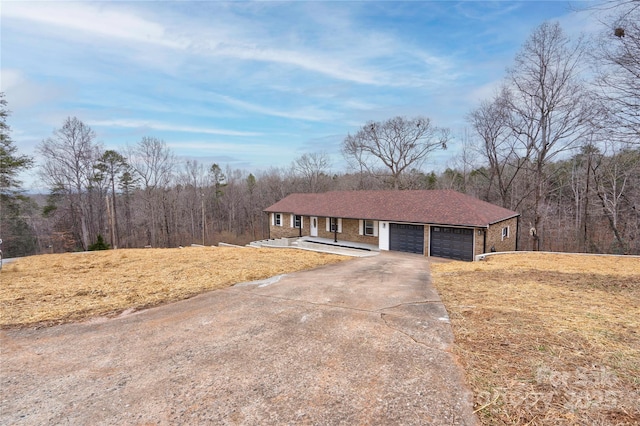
{"points": [[360, 342]]}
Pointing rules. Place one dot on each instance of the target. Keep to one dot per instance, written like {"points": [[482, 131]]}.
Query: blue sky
{"points": [[256, 84]]}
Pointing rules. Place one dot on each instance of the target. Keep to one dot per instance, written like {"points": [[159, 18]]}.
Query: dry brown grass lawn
{"points": [[547, 338], [56, 288]]}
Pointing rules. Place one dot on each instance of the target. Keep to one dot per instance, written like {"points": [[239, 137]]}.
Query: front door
{"points": [[314, 226]]}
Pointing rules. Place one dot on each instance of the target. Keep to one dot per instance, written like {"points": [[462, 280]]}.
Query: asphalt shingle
{"points": [[442, 207]]}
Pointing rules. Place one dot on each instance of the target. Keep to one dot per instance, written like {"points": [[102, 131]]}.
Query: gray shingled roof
{"points": [[442, 207]]}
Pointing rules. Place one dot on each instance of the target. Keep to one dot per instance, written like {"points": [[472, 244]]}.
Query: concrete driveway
{"points": [[361, 342]]}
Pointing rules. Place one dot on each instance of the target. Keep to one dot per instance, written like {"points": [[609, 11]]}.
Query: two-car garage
{"points": [[448, 242], [438, 223]]}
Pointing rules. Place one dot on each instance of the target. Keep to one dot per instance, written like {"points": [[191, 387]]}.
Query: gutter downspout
{"points": [[269, 225]]}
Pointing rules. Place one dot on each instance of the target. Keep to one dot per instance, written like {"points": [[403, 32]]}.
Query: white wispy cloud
{"points": [[357, 104], [103, 20], [155, 125], [486, 11], [313, 62], [352, 59], [305, 113], [22, 92], [252, 155], [218, 147]]}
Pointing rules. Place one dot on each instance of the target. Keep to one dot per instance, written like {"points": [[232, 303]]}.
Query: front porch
{"points": [[326, 245], [340, 243]]}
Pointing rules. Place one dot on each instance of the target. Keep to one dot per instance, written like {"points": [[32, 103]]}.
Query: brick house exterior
{"points": [[441, 223]]}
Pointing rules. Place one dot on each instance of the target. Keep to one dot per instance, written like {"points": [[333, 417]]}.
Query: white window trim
{"points": [[328, 221], [274, 222], [503, 233], [293, 221], [363, 228], [373, 229]]}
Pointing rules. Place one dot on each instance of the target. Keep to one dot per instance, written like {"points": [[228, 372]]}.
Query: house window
{"points": [[505, 232], [297, 221], [277, 218], [334, 224], [368, 227]]}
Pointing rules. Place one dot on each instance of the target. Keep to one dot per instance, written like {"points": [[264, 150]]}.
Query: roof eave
{"points": [[502, 220], [462, 225]]}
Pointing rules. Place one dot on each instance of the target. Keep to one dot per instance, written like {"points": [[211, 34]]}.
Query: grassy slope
{"points": [[67, 287], [548, 339]]}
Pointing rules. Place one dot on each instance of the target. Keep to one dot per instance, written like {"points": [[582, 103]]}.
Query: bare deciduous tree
{"points": [[194, 178], [395, 145], [501, 148], [312, 167], [153, 162], [613, 176], [71, 154], [618, 61], [548, 105]]}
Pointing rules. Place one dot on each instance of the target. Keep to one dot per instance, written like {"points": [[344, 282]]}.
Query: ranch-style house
{"points": [[442, 223]]}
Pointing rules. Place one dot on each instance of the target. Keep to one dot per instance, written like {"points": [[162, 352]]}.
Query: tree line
{"points": [[560, 148]]}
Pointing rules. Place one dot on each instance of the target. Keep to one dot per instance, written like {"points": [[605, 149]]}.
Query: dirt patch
{"points": [[546, 338], [57, 288]]}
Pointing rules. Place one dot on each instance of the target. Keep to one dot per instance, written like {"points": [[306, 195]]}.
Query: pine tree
{"points": [[99, 244], [17, 235]]}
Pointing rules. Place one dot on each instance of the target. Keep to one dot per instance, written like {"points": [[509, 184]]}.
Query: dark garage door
{"points": [[404, 237], [452, 243]]}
